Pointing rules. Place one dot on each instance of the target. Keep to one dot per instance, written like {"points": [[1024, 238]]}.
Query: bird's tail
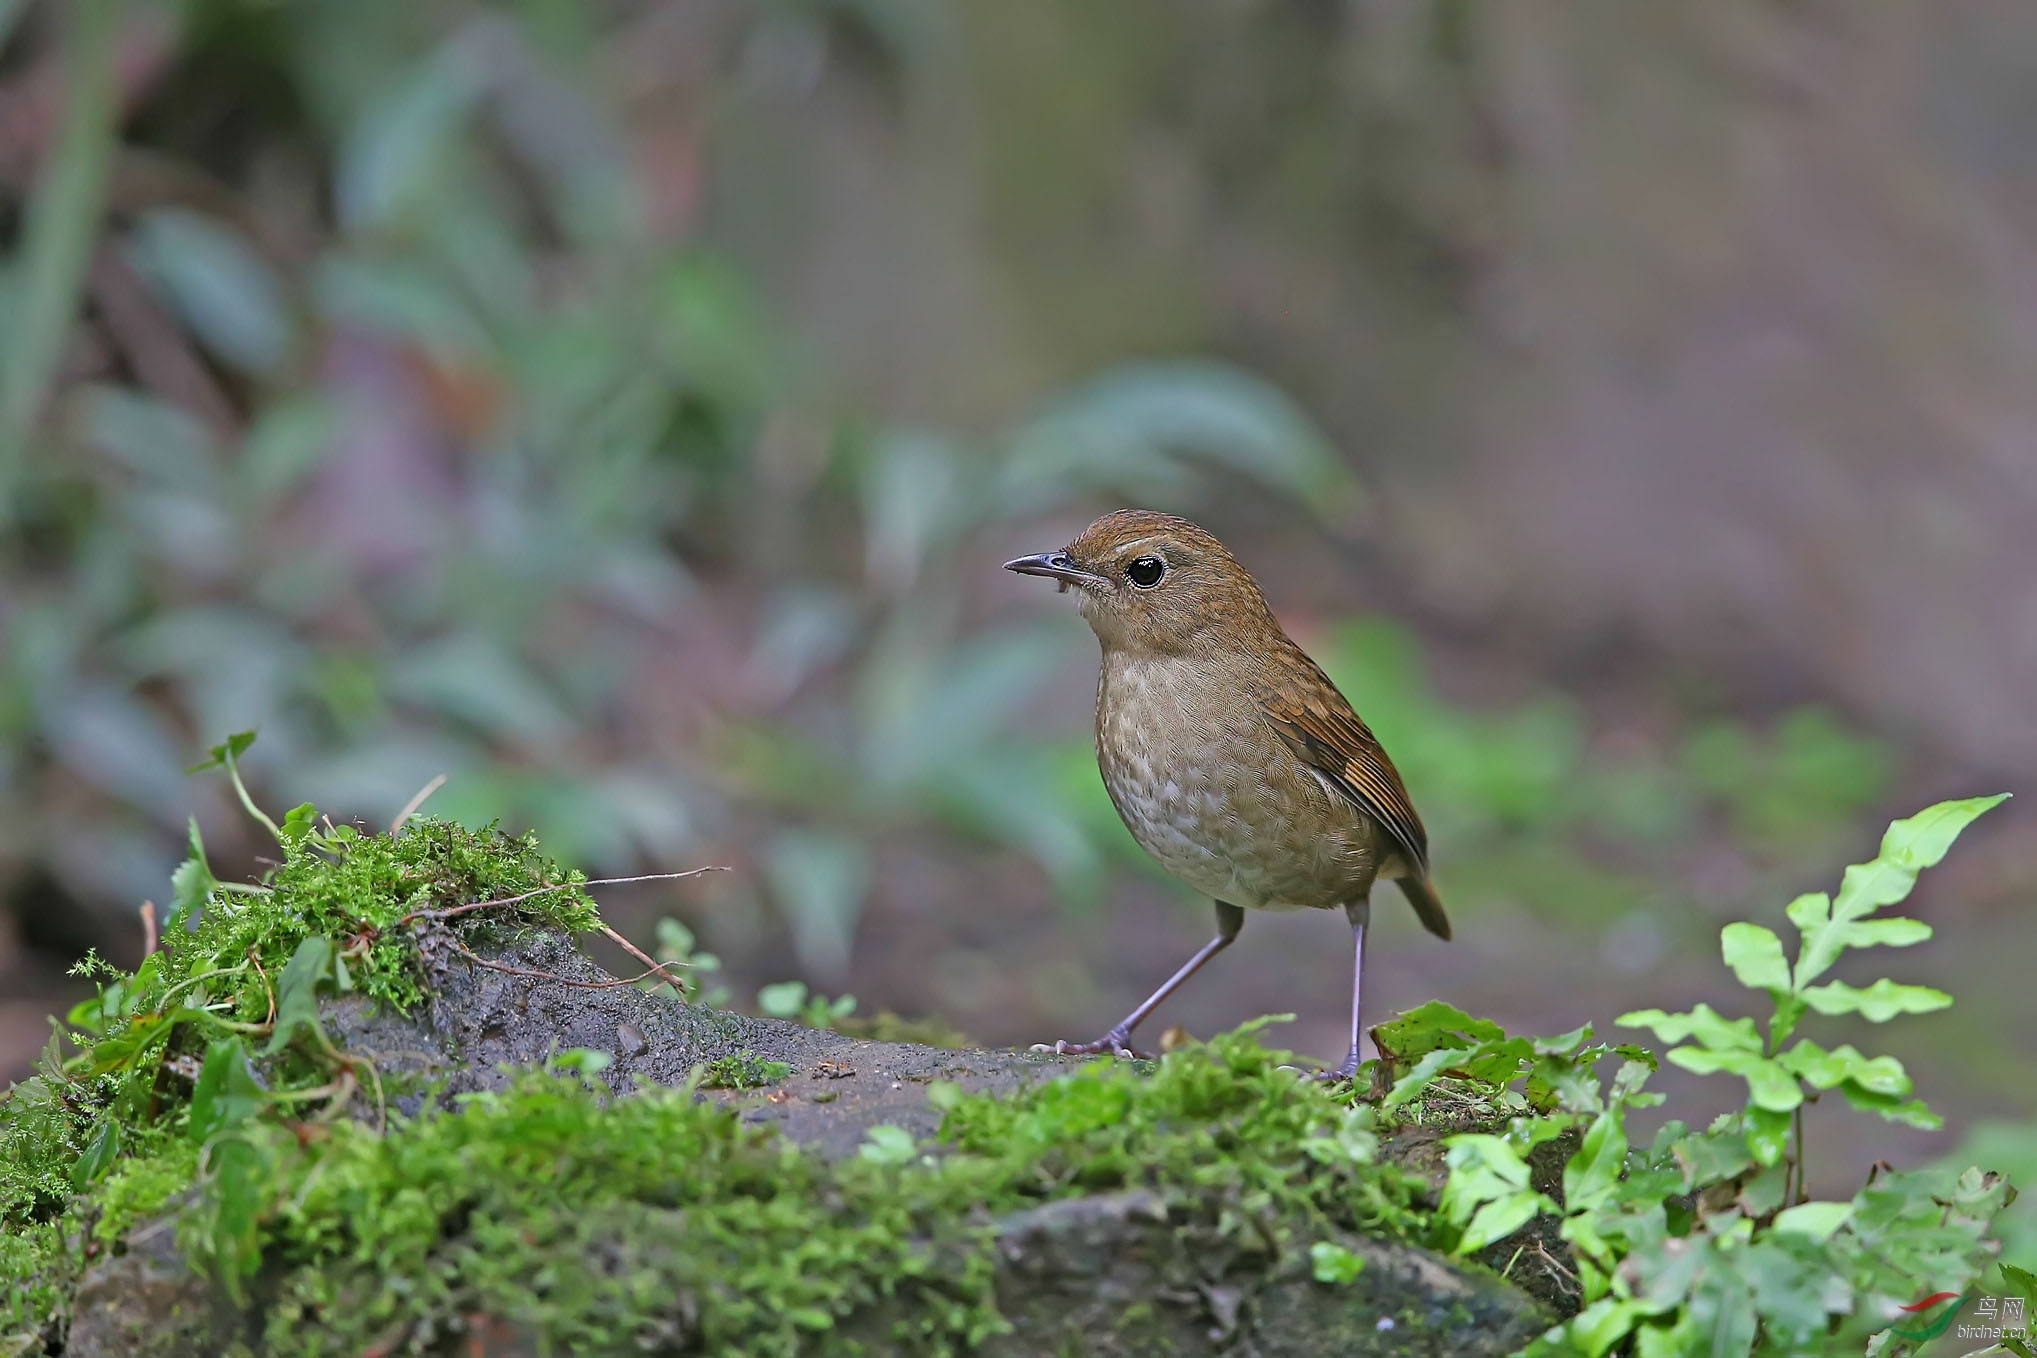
{"points": [[1422, 897]]}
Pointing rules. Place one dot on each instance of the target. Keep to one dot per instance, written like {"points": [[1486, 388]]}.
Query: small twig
{"points": [[1565, 1278], [480, 961], [451, 911], [256, 958], [149, 938], [343, 1094], [417, 799], [330, 1090], [233, 1027], [381, 1102], [190, 981], [1803, 1191], [634, 951]]}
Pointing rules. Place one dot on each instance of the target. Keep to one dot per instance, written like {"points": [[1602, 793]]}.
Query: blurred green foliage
{"points": [[454, 447], [422, 436]]}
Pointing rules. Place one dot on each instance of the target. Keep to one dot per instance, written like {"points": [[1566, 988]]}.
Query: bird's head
{"points": [[1154, 582]]}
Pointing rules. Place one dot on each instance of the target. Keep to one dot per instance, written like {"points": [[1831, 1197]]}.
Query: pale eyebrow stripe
{"points": [[1140, 542]]}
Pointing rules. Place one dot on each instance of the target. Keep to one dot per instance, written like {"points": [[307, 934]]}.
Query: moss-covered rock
{"points": [[397, 1120], [769, 1220]]}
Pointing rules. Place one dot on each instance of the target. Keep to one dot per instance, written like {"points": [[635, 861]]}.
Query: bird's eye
{"points": [[1145, 571]]}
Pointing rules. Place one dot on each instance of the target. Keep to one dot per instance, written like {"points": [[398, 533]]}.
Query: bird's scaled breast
{"points": [[1206, 788]]}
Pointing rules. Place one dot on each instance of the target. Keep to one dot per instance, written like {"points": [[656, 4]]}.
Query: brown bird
{"points": [[1230, 755]]}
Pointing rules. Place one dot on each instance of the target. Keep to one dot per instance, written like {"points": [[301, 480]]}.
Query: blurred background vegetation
{"points": [[621, 408]]}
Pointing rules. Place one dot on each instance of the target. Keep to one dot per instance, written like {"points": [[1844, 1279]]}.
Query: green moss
{"points": [[591, 1221], [744, 1070], [44, 1128], [36, 1278], [140, 1188], [602, 1223], [357, 890], [1222, 1118], [104, 1137]]}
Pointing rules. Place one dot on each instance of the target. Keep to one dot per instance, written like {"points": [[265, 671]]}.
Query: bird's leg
{"points": [[1118, 1040], [1360, 915]]}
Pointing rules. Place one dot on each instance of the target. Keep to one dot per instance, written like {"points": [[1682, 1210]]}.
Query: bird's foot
{"points": [[1346, 1073], [1110, 1044]]}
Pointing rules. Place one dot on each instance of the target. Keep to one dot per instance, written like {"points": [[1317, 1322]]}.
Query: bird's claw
{"points": [[1110, 1044], [1325, 1077]]}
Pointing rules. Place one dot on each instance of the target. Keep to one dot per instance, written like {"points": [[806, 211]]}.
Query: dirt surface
{"points": [[481, 1020]]}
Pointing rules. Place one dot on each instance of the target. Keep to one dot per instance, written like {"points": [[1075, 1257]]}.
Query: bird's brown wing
{"points": [[1322, 730]]}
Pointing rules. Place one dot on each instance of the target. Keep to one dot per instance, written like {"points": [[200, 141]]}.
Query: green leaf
{"points": [[99, 1155], [1680, 1340], [125, 1047], [1412, 1085], [584, 1060], [298, 823], [1134, 431], [783, 1000], [1330, 1262], [1895, 932], [297, 993], [1594, 1172], [1755, 955], [1768, 1083], [1922, 840], [88, 1014], [228, 755], [231, 1210], [1500, 1218], [286, 440], [1878, 1003], [1908, 848], [820, 881], [887, 1145], [1764, 1192], [1767, 1133], [191, 883], [1809, 911], [226, 1094], [1487, 1190], [1594, 1330], [1789, 1010], [1570, 1044], [1430, 1027], [1892, 1108], [223, 754], [1482, 1166], [1815, 1219], [1709, 1027], [221, 286], [1711, 1157], [1826, 1070]]}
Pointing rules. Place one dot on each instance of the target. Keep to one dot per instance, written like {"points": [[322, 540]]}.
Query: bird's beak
{"points": [[1055, 566]]}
